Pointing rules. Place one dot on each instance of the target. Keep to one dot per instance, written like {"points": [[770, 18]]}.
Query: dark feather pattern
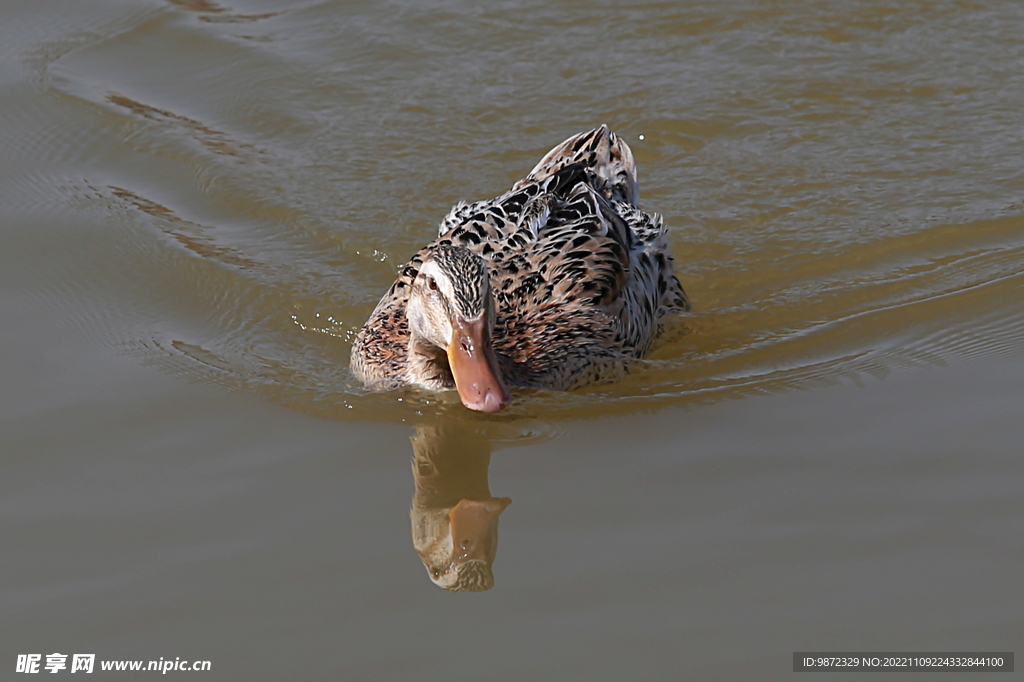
{"points": [[579, 274]]}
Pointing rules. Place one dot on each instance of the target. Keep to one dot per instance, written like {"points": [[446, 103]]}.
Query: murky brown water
{"points": [[202, 202]]}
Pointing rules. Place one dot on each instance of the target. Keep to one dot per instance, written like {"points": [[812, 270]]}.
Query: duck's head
{"points": [[451, 318]]}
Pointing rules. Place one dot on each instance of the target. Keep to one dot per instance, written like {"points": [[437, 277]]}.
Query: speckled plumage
{"points": [[579, 274]]}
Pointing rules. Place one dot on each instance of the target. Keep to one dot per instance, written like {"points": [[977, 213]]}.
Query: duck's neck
{"points": [[428, 364]]}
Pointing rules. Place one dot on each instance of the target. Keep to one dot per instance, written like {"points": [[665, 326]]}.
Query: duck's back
{"points": [[581, 276]]}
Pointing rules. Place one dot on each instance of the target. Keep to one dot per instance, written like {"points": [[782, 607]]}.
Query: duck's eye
{"points": [[432, 283]]}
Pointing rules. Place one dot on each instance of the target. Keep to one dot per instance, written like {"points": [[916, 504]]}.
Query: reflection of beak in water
{"points": [[454, 517]]}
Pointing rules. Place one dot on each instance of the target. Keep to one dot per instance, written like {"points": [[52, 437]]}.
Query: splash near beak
{"points": [[472, 524], [475, 367]]}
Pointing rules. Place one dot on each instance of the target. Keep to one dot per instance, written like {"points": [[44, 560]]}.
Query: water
{"points": [[202, 203]]}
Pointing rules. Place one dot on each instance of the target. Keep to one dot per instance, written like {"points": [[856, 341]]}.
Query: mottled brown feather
{"points": [[579, 274]]}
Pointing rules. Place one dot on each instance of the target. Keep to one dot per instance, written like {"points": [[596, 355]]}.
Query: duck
{"points": [[558, 283]]}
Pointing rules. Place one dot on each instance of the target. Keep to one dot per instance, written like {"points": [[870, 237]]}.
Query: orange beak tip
{"points": [[489, 402]]}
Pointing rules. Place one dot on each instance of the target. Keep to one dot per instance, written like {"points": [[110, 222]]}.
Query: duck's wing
{"points": [[570, 232], [555, 241], [598, 158], [524, 208], [651, 263], [604, 154]]}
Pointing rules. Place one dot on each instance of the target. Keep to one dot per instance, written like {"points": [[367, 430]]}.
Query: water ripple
{"points": [[845, 201]]}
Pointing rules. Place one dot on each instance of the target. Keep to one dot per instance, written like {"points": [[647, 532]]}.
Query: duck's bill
{"points": [[475, 367], [474, 527]]}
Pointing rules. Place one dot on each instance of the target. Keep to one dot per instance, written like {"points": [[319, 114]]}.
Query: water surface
{"points": [[202, 202]]}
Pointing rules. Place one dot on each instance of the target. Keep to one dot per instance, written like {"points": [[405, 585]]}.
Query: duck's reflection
{"points": [[454, 517]]}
